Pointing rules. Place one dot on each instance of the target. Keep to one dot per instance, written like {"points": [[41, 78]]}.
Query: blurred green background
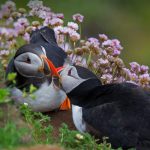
{"points": [[126, 20]]}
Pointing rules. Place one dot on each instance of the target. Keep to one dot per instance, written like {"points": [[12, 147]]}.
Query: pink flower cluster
{"points": [[7, 9], [101, 54]]}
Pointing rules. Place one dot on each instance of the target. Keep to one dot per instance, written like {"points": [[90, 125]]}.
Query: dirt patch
{"points": [[59, 117], [10, 112]]}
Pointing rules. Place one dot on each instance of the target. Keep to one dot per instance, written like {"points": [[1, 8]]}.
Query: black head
{"points": [[29, 63], [77, 81]]}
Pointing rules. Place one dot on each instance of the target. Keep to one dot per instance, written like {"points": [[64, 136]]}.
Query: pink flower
{"points": [[59, 15], [103, 37], [103, 62], [93, 41], [135, 67], [106, 78], [144, 79], [127, 72], [37, 9], [116, 44], [104, 53], [35, 3], [7, 9], [26, 37], [73, 25], [59, 30], [4, 52], [144, 69], [74, 36], [23, 21], [56, 22], [107, 43], [134, 77], [78, 17], [60, 38], [116, 52]]}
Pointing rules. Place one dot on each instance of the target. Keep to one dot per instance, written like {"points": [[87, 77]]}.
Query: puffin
{"points": [[31, 65], [119, 111]]}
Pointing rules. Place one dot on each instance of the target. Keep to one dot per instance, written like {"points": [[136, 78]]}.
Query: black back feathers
{"points": [[46, 37], [43, 35]]}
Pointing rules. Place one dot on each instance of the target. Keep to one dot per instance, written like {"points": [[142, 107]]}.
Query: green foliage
{"points": [[10, 135], [4, 93], [75, 140], [11, 77], [32, 89], [41, 133], [72, 139]]}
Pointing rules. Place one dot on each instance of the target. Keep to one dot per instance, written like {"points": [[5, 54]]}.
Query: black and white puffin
{"points": [[31, 66], [120, 111]]}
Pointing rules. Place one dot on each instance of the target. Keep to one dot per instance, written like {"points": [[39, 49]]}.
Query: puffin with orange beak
{"points": [[119, 111], [35, 64]]}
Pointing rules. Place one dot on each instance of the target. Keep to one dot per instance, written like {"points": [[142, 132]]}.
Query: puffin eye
{"points": [[28, 60]]}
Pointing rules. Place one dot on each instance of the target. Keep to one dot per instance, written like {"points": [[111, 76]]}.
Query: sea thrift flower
{"points": [[103, 37], [135, 67], [20, 25], [144, 79], [119, 62], [126, 72], [73, 25], [35, 3], [60, 38], [116, 44], [4, 52], [9, 21], [58, 15], [103, 62], [23, 22], [74, 36], [107, 43], [116, 52], [78, 17], [134, 77], [26, 37], [7, 9], [56, 22], [144, 69], [102, 54], [93, 43], [106, 78]]}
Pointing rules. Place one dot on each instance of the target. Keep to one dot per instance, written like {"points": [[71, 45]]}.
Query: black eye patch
{"points": [[28, 60]]}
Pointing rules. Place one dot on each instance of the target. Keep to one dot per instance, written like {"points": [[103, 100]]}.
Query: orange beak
{"points": [[51, 66], [66, 104]]}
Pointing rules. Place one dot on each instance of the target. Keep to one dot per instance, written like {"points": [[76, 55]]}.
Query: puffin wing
{"points": [[121, 113], [108, 121]]}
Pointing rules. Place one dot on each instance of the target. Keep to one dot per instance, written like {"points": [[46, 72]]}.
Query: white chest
{"points": [[78, 119]]}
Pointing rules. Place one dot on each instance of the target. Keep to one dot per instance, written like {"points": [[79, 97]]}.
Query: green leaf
{"points": [[11, 76], [32, 88], [4, 95]]}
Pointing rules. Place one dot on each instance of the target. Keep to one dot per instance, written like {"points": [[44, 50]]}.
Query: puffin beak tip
{"points": [[51, 66]]}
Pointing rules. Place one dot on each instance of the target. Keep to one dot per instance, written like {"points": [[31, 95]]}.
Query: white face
{"points": [[28, 64], [70, 78]]}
